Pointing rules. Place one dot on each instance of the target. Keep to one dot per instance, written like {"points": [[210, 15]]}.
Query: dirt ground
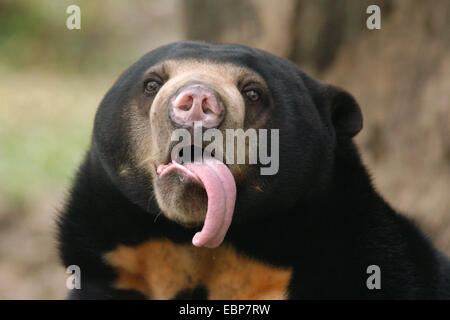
{"points": [[29, 265]]}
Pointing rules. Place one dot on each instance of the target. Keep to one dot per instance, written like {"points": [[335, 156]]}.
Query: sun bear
{"points": [[151, 218]]}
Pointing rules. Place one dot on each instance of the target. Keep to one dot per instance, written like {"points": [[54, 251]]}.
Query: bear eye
{"points": [[152, 87], [252, 95]]}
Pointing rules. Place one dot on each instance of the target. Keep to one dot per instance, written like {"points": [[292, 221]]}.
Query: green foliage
{"points": [[45, 126], [34, 33]]}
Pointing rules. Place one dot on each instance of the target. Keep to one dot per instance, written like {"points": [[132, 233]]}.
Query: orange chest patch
{"points": [[161, 269]]}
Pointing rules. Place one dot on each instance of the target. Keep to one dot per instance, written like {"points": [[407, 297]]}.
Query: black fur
{"points": [[320, 214]]}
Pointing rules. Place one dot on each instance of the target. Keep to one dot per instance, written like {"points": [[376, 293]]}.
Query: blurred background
{"points": [[52, 80]]}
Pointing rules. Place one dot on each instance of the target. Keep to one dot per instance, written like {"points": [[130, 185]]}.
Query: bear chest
{"points": [[161, 269]]}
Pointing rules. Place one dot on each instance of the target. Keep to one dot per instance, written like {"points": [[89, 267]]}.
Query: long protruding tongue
{"points": [[220, 188]]}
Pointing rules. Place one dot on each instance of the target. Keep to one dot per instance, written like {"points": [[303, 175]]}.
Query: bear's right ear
{"points": [[342, 111]]}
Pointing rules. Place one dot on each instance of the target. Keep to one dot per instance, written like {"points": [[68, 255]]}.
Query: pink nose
{"points": [[196, 103]]}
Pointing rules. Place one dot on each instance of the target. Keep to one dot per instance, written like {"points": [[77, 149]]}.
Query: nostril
{"points": [[210, 106], [185, 103], [206, 108], [184, 107]]}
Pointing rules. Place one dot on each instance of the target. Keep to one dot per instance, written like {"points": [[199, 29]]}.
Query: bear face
{"points": [[241, 88]]}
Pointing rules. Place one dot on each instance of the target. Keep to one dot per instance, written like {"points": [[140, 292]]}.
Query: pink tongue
{"points": [[221, 190]]}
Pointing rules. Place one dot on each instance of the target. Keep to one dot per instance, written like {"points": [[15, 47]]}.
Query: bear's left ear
{"points": [[343, 112]]}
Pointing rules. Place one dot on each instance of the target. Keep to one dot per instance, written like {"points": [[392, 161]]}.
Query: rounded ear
{"points": [[344, 112]]}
